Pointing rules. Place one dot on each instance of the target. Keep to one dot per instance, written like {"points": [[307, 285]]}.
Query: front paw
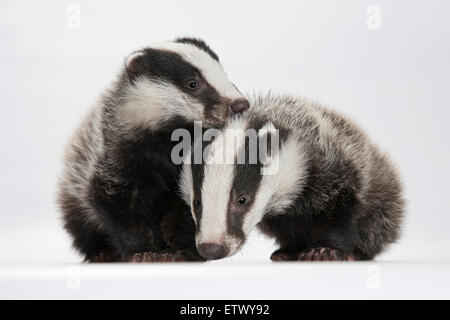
{"points": [[324, 254], [283, 255]]}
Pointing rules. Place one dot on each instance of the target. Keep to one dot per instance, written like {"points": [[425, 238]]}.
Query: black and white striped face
{"points": [[229, 198], [182, 79]]}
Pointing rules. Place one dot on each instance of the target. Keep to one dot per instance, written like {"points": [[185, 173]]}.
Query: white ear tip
{"points": [[133, 56]]}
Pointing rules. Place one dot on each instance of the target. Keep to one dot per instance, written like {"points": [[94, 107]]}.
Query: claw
{"points": [[137, 257], [324, 254]]}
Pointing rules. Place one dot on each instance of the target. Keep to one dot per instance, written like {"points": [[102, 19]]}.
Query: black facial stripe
{"points": [[171, 67], [199, 44], [234, 223], [209, 95], [164, 65], [246, 182], [247, 179]]}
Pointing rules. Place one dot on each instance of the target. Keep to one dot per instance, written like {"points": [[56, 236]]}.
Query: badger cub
{"points": [[325, 192], [118, 189]]}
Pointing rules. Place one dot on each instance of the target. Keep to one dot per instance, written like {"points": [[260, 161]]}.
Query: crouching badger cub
{"points": [[316, 184], [118, 189]]}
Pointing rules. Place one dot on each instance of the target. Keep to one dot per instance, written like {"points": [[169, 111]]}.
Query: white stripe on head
{"points": [[186, 183], [210, 68], [218, 181], [275, 192]]}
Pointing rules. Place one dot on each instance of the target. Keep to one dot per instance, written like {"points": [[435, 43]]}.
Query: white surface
{"points": [[225, 281], [394, 81]]}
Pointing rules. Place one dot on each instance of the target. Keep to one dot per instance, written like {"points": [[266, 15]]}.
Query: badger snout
{"points": [[217, 114], [212, 251], [239, 105]]}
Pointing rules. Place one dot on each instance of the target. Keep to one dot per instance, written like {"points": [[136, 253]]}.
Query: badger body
{"points": [[333, 195], [117, 192]]}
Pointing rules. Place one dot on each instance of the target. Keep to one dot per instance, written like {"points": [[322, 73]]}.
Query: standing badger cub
{"points": [[322, 190], [118, 190]]}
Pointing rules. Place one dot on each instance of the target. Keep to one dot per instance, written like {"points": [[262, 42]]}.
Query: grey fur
{"points": [[347, 197]]}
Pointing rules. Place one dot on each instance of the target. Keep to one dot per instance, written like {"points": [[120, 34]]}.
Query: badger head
{"points": [[247, 172], [178, 80]]}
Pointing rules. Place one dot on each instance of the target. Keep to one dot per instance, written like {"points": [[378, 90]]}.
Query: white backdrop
{"points": [[384, 63]]}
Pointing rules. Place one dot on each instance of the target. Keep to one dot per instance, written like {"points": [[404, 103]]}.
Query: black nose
{"points": [[240, 105], [212, 251]]}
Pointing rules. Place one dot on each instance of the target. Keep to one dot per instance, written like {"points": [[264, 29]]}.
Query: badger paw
{"points": [[283, 255], [324, 254], [158, 257], [104, 257]]}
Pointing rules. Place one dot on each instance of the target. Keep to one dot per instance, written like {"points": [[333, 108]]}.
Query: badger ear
{"points": [[135, 64]]}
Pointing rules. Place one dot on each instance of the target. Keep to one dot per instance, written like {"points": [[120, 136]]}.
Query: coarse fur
{"points": [[333, 195], [117, 192]]}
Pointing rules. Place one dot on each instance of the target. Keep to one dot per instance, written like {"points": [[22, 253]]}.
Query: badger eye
{"points": [[242, 200], [192, 84], [197, 203]]}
